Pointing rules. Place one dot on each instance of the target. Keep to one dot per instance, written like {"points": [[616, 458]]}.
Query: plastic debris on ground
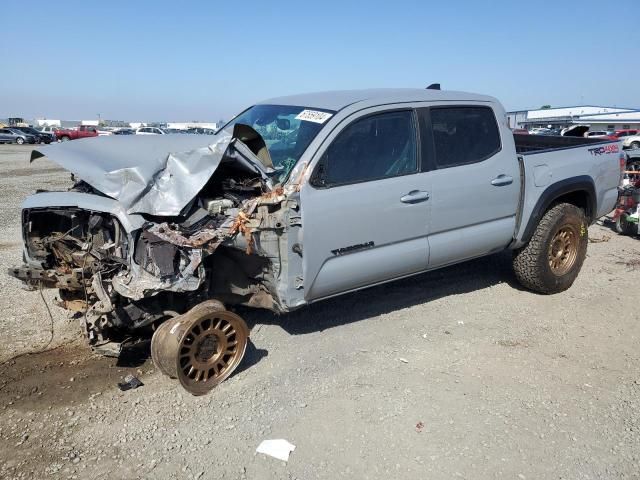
{"points": [[279, 449], [130, 382]]}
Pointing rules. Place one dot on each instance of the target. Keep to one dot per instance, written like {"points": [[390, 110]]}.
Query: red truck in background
{"points": [[83, 131]]}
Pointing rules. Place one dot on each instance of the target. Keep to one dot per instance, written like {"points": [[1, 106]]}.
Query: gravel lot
{"points": [[453, 374]]}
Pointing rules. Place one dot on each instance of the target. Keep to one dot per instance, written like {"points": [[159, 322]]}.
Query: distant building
{"points": [[602, 118], [613, 121]]}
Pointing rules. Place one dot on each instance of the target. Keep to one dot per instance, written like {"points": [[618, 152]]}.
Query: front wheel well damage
{"points": [[236, 277]]}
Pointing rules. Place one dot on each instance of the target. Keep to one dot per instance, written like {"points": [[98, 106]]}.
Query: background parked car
{"points": [[48, 129], [539, 131], [596, 134], [150, 131], [11, 135], [124, 131], [83, 131], [41, 137], [201, 131], [621, 134], [631, 141]]}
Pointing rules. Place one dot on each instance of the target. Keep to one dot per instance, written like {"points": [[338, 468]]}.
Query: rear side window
{"points": [[463, 135], [375, 147]]}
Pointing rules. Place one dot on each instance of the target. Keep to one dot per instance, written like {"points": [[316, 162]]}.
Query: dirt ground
{"points": [[457, 373]]}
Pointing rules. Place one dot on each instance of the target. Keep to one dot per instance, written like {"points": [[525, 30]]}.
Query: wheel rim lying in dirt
{"points": [[563, 250], [201, 347]]}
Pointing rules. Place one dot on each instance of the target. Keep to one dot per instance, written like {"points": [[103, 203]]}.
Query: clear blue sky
{"points": [[193, 60]]}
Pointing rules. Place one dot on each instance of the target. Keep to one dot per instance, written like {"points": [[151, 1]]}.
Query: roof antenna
{"points": [[434, 86]]}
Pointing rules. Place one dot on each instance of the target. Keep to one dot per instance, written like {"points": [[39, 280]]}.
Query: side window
{"points": [[464, 135], [375, 147]]}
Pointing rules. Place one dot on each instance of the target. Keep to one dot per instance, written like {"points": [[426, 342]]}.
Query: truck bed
{"points": [[552, 166], [539, 143]]}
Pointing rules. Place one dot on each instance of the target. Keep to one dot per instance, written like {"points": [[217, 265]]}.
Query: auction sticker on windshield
{"points": [[314, 116]]}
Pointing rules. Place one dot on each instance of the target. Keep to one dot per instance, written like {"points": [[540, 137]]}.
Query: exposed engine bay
{"points": [[126, 274]]}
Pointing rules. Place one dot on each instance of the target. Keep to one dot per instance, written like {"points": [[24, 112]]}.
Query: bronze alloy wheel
{"points": [[563, 249], [211, 349], [200, 348]]}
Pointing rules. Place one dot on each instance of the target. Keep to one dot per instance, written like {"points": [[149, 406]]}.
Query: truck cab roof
{"points": [[339, 99]]}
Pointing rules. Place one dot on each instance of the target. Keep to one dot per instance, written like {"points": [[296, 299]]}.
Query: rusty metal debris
{"points": [[200, 348]]}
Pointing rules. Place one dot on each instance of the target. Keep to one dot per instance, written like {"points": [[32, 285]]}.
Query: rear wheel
{"points": [[552, 259]]}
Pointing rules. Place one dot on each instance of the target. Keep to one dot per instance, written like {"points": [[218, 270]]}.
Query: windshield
{"points": [[286, 130]]}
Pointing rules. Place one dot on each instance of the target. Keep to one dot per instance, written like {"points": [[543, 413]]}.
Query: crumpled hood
{"points": [[152, 174]]}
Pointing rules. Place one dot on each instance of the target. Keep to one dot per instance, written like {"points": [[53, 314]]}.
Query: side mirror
{"points": [[283, 123]]}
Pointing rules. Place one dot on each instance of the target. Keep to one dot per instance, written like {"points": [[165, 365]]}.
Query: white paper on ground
{"points": [[279, 449]]}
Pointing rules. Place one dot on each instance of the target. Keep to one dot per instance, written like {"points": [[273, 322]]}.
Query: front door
{"points": [[365, 210]]}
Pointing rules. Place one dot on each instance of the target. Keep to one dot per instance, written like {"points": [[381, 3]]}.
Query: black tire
{"points": [[64, 139], [533, 263], [19, 140], [635, 145]]}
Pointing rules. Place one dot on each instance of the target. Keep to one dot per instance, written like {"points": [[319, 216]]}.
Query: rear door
{"points": [[365, 210], [475, 182]]}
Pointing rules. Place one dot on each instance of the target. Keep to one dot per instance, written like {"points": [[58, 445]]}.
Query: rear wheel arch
{"points": [[579, 191]]}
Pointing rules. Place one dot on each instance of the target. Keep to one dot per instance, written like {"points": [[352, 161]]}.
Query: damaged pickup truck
{"points": [[296, 200]]}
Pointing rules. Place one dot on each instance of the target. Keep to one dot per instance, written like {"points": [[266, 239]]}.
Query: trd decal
{"points": [[604, 149]]}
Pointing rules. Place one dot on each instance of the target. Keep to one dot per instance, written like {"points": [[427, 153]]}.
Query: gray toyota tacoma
{"points": [[296, 200]]}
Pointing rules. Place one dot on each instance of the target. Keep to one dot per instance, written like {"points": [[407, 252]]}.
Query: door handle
{"points": [[415, 196], [502, 180]]}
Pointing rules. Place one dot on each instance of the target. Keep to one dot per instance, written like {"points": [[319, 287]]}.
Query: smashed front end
{"points": [[137, 250]]}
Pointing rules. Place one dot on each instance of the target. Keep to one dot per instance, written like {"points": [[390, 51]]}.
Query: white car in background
{"points": [[540, 131], [48, 129], [596, 134], [150, 131], [632, 141]]}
